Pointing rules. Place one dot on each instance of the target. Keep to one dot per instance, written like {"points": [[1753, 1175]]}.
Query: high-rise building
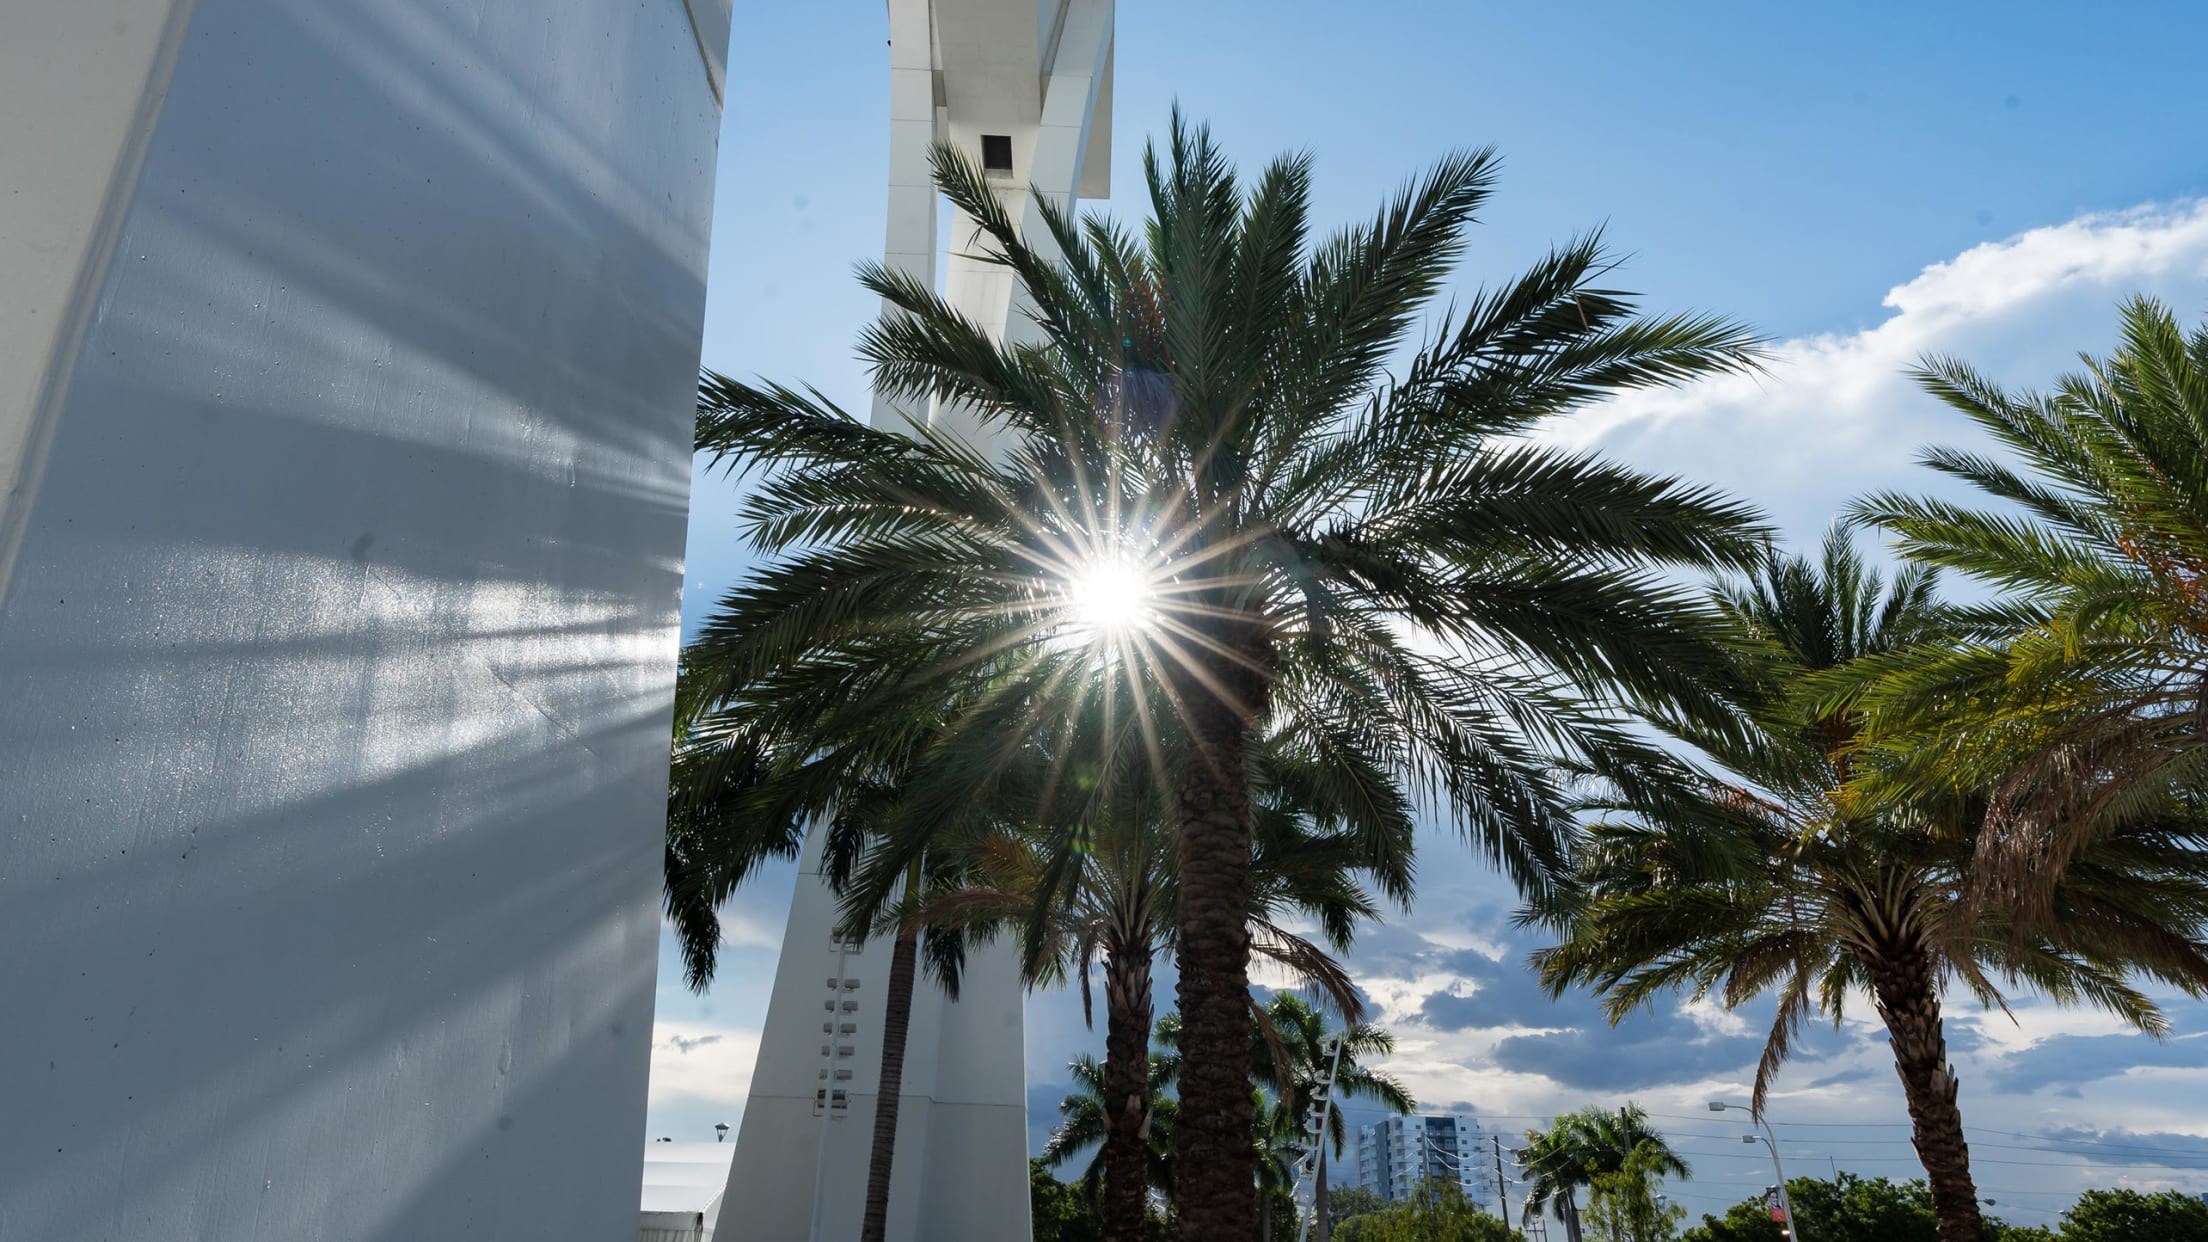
{"points": [[1399, 1156]]}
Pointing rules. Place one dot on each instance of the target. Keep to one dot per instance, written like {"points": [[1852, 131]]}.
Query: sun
{"points": [[1108, 597]]}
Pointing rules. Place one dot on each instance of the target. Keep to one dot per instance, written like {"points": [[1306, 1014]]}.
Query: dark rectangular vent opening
{"points": [[996, 153]]}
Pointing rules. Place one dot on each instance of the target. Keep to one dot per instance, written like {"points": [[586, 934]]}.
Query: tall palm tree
{"points": [[1775, 879], [1103, 887], [1279, 1144], [1553, 1174], [1291, 1058], [2077, 698], [1579, 1146], [1207, 494], [1085, 1122], [731, 808], [1107, 888]]}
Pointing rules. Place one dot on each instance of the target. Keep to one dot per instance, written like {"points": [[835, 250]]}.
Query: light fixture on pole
{"points": [[1793, 1228], [720, 1131]]}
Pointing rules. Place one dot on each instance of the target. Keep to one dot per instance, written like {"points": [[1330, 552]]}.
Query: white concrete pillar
{"points": [[347, 368]]}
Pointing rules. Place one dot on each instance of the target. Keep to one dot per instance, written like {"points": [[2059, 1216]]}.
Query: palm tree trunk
{"points": [[1127, 1012], [896, 1017], [1909, 1003], [1265, 1216], [1571, 1214], [1218, 1167], [1322, 1225]]}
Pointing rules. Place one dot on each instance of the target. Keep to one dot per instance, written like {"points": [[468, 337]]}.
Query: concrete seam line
{"points": [[714, 72], [84, 295]]}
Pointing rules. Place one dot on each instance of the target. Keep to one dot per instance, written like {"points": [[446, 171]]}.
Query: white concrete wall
{"points": [[336, 660]]}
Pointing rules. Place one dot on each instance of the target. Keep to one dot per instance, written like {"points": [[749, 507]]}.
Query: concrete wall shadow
{"points": [[336, 662]]}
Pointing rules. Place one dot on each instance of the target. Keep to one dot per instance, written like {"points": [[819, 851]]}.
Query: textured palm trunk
{"points": [[1127, 1014], [1909, 1002], [1217, 1164], [896, 1018], [1571, 1214]]}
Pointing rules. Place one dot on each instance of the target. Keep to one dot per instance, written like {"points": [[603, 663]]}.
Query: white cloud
{"points": [[1834, 415], [700, 1061]]}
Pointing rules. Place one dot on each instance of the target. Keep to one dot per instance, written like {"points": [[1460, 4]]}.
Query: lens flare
{"points": [[1108, 597]]}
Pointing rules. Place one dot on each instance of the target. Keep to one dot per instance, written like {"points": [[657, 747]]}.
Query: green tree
{"points": [[1577, 1147], [1355, 1201], [1059, 1212], [1202, 429], [1623, 1206], [1290, 1059], [2075, 697], [2125, 1215], [1849, 1209], [1105, 887], [1280, 1141], [1438, 1212], [729, 810], [1775, 879], [1082, 1125]]}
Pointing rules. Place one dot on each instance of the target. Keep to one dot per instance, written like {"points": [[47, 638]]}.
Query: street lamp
{"points": [[720, 1131], [1793, 1225]]}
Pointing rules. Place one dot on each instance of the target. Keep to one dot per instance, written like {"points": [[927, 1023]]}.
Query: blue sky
{"points": [[1862, 183]]}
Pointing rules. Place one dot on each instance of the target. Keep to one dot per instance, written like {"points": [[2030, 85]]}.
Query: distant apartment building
{"points": [[1398, 1156]]}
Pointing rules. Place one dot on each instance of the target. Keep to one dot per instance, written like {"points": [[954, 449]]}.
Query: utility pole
{"points": [[1502, 1185]]}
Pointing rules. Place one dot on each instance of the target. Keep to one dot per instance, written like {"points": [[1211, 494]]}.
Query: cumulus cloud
{"points": [[2140, 1148], [2064, 1064], [693, 1060], [1834, 415], [1643, 1051]]}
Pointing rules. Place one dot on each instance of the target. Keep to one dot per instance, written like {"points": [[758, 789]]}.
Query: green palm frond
{"points": [[1762, 867]]}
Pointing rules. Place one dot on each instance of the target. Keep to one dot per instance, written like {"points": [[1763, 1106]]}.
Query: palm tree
{"points": [[1775, 879], [1292, 1058], [1580, 1146], [1104, 887], [1553, 1173], [1208, 498], [1085, 1122], [1624, 1205], [1107, 887], [1279, 1145], [730, 809], [2077, 699]]}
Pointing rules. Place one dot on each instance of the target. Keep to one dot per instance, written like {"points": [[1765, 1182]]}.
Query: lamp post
{"points": [[720, 1132], [1793, 1226]]}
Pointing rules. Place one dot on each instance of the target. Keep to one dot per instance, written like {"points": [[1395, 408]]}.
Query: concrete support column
{"points": [[347, 369]]}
